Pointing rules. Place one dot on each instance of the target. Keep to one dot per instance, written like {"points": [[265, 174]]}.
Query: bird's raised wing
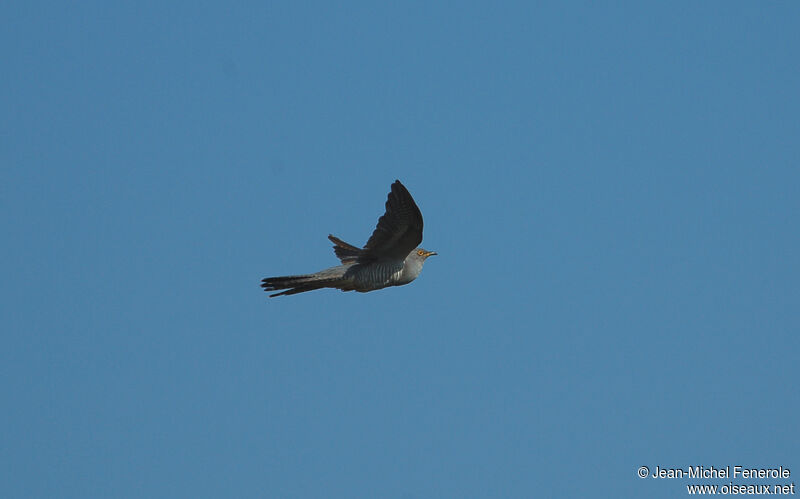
{"points": [[345, 252], [399, 230]]}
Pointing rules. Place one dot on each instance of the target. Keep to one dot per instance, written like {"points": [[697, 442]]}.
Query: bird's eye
{"points": [[420, 252]]}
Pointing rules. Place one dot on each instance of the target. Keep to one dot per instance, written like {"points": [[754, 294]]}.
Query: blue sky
{"points": [[612, 191]]}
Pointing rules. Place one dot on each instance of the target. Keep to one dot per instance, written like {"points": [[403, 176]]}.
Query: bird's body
{"points": [[390, 257]]}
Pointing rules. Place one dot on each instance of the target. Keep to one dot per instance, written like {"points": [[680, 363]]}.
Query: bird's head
{"points": [[423, 253]]}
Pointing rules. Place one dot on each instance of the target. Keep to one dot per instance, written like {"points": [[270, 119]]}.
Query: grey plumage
{"points": [[390, 257]]}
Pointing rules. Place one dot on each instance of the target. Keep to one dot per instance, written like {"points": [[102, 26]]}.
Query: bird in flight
{"points": [[390, 257]]}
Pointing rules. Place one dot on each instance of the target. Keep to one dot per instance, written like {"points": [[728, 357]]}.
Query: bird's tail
{"points": [[293, 284]]}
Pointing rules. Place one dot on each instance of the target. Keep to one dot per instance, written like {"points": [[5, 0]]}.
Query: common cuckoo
{"points": [[390, 257]]}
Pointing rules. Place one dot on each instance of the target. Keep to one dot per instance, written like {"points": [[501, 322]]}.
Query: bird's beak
{"points": [[431, 253]]}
